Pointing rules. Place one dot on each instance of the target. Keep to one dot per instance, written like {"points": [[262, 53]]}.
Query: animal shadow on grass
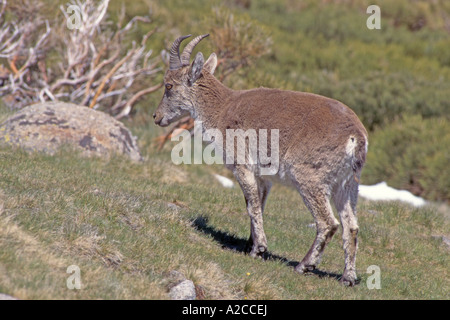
{"points": [[234, 243]]}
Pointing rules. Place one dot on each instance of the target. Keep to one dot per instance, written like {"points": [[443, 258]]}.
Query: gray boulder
{"points": [[6, 297], [185, 290], [47, 126]]}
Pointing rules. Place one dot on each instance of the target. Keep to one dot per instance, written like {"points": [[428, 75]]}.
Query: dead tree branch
{"points": [[96, 67]]}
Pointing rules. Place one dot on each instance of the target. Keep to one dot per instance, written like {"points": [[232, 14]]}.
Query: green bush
{"points": [[413, 154], [380, 98]]}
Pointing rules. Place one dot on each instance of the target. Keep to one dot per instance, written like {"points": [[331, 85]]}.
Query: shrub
{"points": [[237, 41], [380, 98], [413, 154]]}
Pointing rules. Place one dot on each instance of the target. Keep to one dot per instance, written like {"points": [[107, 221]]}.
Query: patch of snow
{"points": [[381, 191], [227, 183]]}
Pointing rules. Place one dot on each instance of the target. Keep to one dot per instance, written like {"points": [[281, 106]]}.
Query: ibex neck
{"points": [[211, 96]]}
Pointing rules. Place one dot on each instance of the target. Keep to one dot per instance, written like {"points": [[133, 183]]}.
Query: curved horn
{"points": [[174, 61], [186, 55]]}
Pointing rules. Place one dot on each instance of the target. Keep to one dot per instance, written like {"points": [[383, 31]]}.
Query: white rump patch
{"points": [[351, 145], [367, 144]]}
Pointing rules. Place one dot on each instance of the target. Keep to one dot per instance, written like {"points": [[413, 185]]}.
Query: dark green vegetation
{"points": [[128, 225]]}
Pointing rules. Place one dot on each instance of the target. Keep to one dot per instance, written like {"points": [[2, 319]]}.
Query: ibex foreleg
{"points": [[253, 194]]}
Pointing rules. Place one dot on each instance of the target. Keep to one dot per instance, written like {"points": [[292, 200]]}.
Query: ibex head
{"points": [[179, 96]]}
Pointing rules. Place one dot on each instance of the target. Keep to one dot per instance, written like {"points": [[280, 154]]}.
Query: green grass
{"points": [[113, 220], [117, 222]]}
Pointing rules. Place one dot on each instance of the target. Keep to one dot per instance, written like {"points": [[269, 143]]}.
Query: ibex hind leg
{"points": [[318, 203], [345, 199]]}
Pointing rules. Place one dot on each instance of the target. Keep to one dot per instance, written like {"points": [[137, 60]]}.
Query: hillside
{"points": [[128, 226]]}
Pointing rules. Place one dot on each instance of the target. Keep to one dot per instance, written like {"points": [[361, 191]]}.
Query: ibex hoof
{"points": [[302, 269], [349, 279], [258, 252]]}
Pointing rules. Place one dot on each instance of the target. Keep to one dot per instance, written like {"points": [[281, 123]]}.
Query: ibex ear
{"points": [[211, 63], [196, 68]]}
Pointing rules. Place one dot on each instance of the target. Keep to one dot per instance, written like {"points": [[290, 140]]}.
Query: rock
{"points": [[172, 206], [185, 290], [445, 240], [47, 126], [175, 275], [6, 297]]}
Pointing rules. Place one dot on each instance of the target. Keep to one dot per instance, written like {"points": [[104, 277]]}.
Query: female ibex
{"points": [[322, 147]]}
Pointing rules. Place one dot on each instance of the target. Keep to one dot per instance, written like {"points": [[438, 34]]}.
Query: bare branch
{"points": [[129, 105], [109, 75], [96, 68]]}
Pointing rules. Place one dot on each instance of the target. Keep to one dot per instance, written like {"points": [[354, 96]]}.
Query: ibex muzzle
{"points": [[322, 147]]}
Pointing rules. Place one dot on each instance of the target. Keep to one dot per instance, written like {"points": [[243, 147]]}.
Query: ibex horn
{"points": [[186, 55], [175, 62]]}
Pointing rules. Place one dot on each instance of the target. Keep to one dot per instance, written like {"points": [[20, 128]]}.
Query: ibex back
{"points": [[322, 147]]}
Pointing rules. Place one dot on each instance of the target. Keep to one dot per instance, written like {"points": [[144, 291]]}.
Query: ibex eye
{"points": [[169, 86]]}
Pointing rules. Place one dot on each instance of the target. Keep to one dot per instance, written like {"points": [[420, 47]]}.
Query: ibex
{"points": [[322, 147]]}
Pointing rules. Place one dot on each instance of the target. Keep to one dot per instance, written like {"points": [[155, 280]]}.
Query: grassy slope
{"points": [[112, 219]]}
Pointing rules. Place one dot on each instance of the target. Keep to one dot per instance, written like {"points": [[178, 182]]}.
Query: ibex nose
{"points": [[156, 121]]}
